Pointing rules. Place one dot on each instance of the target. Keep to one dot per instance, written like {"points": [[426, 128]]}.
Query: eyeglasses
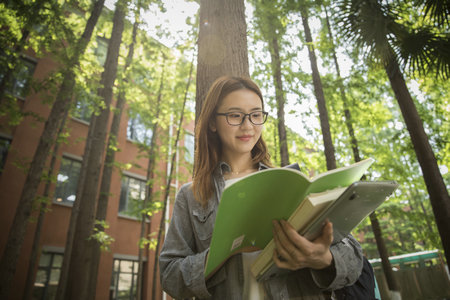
{"points": [[237, 118]]}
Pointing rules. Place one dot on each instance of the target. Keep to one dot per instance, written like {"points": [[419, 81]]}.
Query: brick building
{"points": [[118, 267]]}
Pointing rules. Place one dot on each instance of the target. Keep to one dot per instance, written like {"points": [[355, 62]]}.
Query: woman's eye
{"points": [[257, 115], [235, 115]]}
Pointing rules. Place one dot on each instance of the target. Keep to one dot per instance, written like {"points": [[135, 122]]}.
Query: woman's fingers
{"points": [[285, 252], [294, 251], [286, 249]]}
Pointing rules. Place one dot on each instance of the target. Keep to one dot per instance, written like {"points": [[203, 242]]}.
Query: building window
{"points": [[67, 181], [189, 142], [82, 110], [101, 50], [4, 147], [137, 131], [124, 279], [47, 276], [132, 194], [22, 75]]}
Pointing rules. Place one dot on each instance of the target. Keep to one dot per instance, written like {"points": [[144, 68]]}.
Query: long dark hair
{"points": [[209, 146]]}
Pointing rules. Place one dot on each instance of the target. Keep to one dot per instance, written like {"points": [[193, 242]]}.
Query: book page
{"points": [[340, 177], [358, 165]]}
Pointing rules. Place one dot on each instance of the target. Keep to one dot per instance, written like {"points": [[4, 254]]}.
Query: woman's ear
{"points": [[212, 125]]}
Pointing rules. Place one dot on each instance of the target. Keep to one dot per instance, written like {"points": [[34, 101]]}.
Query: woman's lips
{"points": [[244, 138]]}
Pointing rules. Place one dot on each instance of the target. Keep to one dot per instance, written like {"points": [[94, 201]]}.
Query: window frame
{"points": [[115, 276], [81, 103], [11, 87], [73, 159], [135, 130], [48, 269], [101, 50], [142, 181], [188, 154]]}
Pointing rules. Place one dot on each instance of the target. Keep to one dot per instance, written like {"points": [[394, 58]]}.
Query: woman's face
{"points": [[242, 138]]}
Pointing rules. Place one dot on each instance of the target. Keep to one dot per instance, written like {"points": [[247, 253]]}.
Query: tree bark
{"points": [[348, 116], [64, 273], [272, 30], [80, 259], [168, 185], [279, 95], [318, 91], [439, 197], [387, 269], [60, 106], [108, 165], [29, 281], [222, 44], [384, 256], [149, 185]]}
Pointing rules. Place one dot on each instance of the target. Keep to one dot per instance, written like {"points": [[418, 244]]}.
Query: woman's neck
{"points": [[240, 166]]}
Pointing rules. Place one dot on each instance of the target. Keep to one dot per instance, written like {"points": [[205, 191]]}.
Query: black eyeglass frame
{"points": [[265, 114]]}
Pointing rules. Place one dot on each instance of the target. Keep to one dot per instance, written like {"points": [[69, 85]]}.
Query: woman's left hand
{"points": [[294, 251]]}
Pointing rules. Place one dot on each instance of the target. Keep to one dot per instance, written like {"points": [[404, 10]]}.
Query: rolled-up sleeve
{"points": [[347, 265], [181, 267]]}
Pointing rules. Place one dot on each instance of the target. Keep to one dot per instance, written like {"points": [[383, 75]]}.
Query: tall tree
{"points": [[150, 178], [64, 273], [222, 44], [393, 285], [347, 114], [29, 281], [371, 25], [169, 182], [381, 245], [80, 259], [272, 30], [60, 106], [318, 91], [108, 166]]}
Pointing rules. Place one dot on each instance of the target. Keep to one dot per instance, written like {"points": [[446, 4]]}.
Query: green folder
{"points": [[248, 206]]}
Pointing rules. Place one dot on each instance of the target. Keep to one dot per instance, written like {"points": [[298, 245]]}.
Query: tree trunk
{"points": [[222, 44], [425, 213], [275, 139], [108, 166], [279, 94], [348, 117], [168, 185], [80, 259], [439, 197], [64, 273], [149, 187], [24, 207], [318, 91], [415, 203], [384, 256], [272, 30], [387, 269], [29, 281]]}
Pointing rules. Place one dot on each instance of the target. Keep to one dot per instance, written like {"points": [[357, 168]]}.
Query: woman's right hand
{"points": [[293, 251]]}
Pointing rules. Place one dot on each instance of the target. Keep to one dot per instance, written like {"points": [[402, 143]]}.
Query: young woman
{"points": [[230, 145]]}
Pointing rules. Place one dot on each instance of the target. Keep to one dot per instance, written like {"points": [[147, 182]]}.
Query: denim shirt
{"points": [[183, 256]]}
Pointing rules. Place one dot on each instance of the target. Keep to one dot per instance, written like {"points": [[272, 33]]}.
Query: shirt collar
{"points": [[223, 167]]}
